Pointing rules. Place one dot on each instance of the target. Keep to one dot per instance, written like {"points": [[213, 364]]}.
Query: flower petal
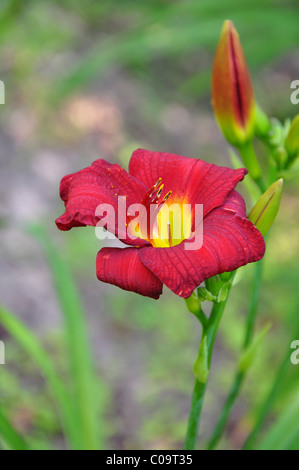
{"points": [[101, 183], [191, 180], [229, 241], [236, 204], [123, 268]]}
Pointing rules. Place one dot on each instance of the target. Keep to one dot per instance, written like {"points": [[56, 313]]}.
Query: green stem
{"points": [[240, 375], [209, 331], [229, 404], [195, 412], [199, 314], [251, 162], [272, 168], [253, 305]]}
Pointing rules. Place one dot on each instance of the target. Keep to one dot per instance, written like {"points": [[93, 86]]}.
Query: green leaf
{"points": [[84, 396], [249, 355], [10, 436], [33, 348], [284, 435]]}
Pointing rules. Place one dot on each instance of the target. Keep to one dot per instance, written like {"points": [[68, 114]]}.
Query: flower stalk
{"points": [[208, 339], [262, 215], [251, 162], [240, 374]]}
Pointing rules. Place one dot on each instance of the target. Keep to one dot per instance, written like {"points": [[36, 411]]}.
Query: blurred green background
{"points": [[88, 80]]}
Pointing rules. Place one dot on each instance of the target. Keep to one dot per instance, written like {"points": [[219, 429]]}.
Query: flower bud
{"points": [[201, 365], [265, 210], [193, 303], [204, 294], [232, 90], [214, 284], [218, 287], [292, 140]]}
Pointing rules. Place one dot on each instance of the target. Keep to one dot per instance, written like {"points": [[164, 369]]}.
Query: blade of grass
{"points": [[10, 436], [83, 374], [32, 346], [269, 401], [284, 435]]}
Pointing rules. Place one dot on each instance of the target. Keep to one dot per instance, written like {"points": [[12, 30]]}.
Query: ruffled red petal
{"points": [[122, 267], [101, 183], [191, 180], [229, 241]]}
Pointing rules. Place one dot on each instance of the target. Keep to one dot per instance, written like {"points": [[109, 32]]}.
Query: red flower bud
{"points": [[232, 91]]}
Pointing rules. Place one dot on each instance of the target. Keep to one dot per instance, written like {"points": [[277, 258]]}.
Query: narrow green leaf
{"points": [[83, 374], [284, 435], [10, 436], [31, 345]]}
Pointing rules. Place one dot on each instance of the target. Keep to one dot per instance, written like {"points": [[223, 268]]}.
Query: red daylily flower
{"points": [[230, 240]]}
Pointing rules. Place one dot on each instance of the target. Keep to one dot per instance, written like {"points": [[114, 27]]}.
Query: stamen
{"points": [[158, 182], [151, 194], [152, 198], [160, 191], [154, 193], [167, 196], [160, 204]]}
